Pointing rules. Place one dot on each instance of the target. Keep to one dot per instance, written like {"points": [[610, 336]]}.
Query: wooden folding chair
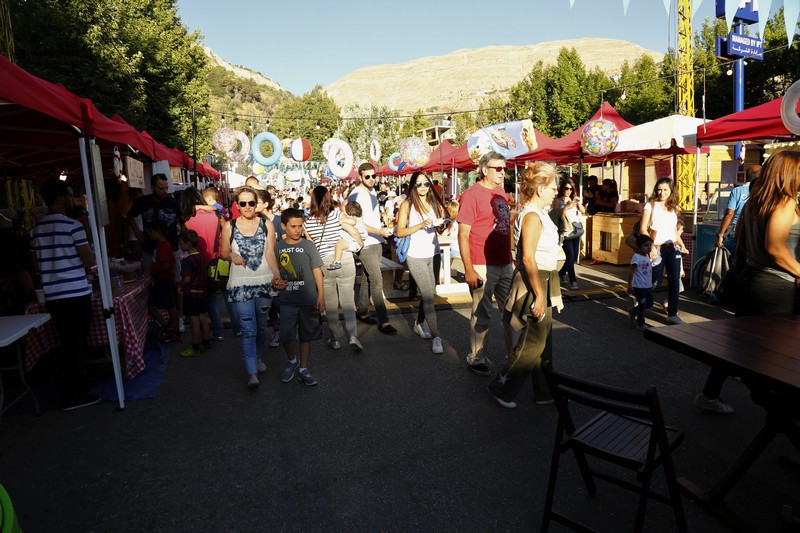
{"points": [[628, 431]]}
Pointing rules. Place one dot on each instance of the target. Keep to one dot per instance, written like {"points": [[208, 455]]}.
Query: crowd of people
{"points": [[294, 254]]}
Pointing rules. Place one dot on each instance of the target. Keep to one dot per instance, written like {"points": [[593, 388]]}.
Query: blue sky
{"points": [[302, 43]]}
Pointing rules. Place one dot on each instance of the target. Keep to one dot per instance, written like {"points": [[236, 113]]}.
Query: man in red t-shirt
{"points": [[484, 239]]}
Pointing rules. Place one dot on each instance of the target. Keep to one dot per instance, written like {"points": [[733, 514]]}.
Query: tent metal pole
{"points": [[101, 258], [696, 187]]}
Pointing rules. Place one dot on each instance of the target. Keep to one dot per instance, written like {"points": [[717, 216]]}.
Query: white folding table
{"points": [[12, 329]]}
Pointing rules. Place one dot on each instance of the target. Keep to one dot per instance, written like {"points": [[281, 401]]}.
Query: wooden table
{"points": [[12, 329], [765, 351]]}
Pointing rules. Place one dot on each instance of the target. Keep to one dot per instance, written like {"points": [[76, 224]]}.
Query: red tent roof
{"points": [[568, 147], [760, 122]]}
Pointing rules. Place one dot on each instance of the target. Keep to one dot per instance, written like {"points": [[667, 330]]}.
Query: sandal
{"points": [[400, 285]]}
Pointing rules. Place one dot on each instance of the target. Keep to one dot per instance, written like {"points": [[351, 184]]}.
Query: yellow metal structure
{"points": [[6, 35], [21, 195], [685, 167]]}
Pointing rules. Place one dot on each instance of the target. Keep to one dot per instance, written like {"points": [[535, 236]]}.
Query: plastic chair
{"points": [[628, 430], [8, 518]]}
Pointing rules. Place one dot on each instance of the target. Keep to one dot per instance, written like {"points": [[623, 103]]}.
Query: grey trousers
{"points": [[372, 283], [338, 287], [422, 270]]}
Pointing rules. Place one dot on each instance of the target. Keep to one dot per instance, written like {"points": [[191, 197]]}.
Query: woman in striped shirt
{"points": [[323, 226]]}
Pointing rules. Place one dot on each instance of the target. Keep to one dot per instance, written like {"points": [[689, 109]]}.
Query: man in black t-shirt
{"points": [[155, 206]]}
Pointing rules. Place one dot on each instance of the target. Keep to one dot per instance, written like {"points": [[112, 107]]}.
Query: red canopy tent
{"points": [[568, 148], [760, 122]]}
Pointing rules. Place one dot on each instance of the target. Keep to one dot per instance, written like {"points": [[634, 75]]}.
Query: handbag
{"points": [[577, 231], [218, 269]]}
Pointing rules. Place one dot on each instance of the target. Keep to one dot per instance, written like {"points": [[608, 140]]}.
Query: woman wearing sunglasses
{"points": [[418, 216], [249, 244], [571, 211]]}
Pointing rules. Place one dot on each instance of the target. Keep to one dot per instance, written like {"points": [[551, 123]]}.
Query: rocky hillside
{"points": [[464, 78], [215, 61]]}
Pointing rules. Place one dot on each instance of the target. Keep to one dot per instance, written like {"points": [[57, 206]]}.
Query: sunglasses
{"points": [[251, 203], [567, 188], [369, 177], [498, 169], [422, 184]]}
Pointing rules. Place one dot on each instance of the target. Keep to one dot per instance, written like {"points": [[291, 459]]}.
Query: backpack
{"points": [[715, 265]]}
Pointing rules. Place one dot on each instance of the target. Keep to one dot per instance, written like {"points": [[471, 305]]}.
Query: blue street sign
{"points": [[745, 46], [747, 14]]}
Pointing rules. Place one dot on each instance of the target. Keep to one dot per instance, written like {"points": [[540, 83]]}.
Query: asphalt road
{"points": [[393, 439]]}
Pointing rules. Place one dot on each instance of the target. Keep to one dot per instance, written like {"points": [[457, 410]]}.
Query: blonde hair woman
{"points": [[535, 289]]}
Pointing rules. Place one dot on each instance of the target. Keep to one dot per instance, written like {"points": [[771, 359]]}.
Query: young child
{"points": [[211, 196], [352, 227], [193, 285], [302, 299], [162, 294], [640, 280]]}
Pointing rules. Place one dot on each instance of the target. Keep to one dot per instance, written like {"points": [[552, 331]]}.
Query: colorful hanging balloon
{"points": [[223, 140], [599, 138], [375, 150], [300, 150], [415, 151], [277, 148], [789, 108], [396, 163], [257, 168], [340, 158], [243, 152]]}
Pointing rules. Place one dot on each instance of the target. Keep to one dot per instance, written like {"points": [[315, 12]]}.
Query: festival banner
{"points": [[509, 139]]}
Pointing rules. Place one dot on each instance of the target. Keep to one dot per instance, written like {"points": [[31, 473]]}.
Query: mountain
{"points": [[215, 61], [464, 78]]}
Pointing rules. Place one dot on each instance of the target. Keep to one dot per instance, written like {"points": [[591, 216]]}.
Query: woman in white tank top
{"points": [[535, 288], [418, 217]]}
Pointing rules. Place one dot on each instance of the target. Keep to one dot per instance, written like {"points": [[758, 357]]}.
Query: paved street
{"points": [[393, 439]]}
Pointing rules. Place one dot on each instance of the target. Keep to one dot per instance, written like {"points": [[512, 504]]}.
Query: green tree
{"points": [[565, 83], [647, 96], [313, 116], [417, 121], [132, 57], [362, 125]]}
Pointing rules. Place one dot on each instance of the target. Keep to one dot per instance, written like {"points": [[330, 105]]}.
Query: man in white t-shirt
{"points": [[372, 280]]}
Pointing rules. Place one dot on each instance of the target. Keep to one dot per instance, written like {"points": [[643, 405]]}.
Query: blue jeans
{"points": [[571, 249], [253, 323], [671, 260], [644, 300], [217, 328], [233, 314]]}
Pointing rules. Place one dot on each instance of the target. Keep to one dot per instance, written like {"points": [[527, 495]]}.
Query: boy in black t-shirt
{"points": [[193, 284], [302, 300]]}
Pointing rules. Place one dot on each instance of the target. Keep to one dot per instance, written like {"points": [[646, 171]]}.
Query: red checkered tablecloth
{"points": [[130, 318]]}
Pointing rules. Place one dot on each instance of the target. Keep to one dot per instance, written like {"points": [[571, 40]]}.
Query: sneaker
{"points": [[573, 286], [190, 352], [205, 346], [252, 383], [262, 366], [480, 368], [334, 343], [675, 320], [80, 401], [632, 314], [504, 403], [366, 319], [168, 337], [564, 279], [664, 306], [422, 330], [275, 341], [643, 327], [288, 372], [335, 265], [181, 325], [436, 346], [712, 406], [237, 333], [217, 338], [306, 378], [355, 344]]}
